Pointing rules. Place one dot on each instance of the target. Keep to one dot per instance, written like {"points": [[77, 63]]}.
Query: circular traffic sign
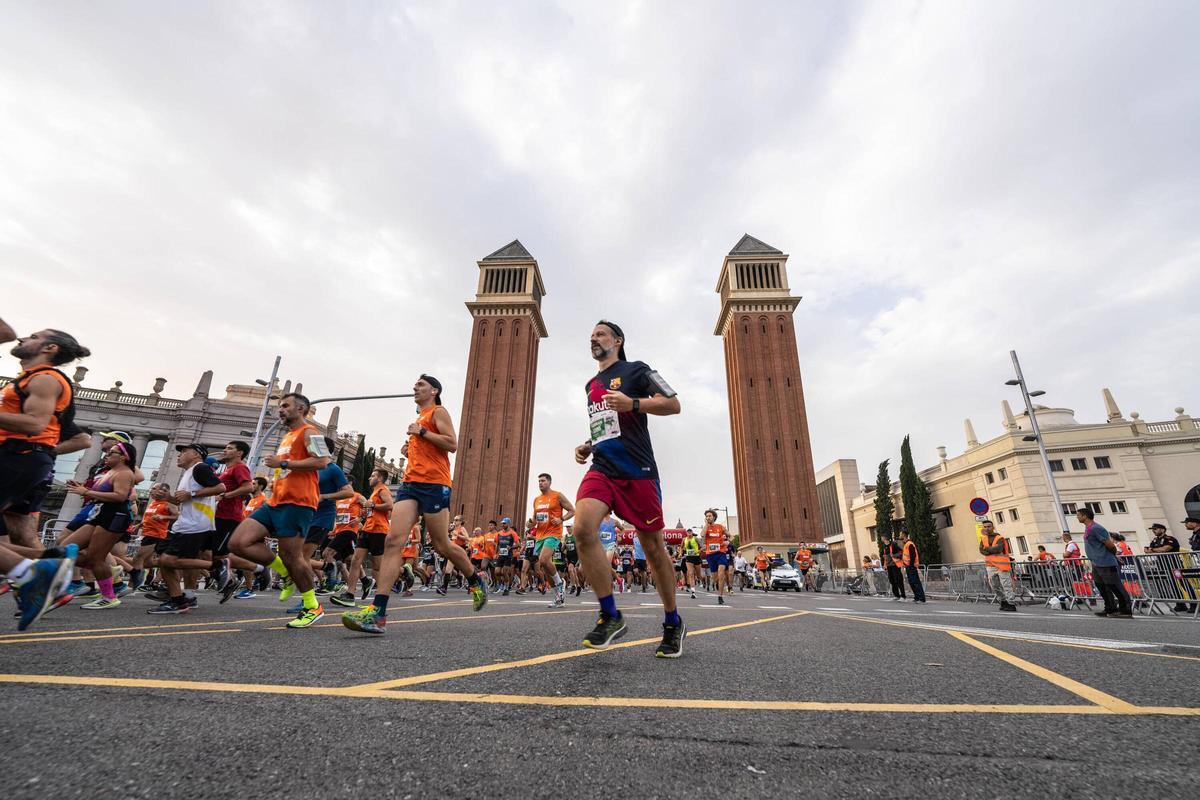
{"points": [[979, 506]]}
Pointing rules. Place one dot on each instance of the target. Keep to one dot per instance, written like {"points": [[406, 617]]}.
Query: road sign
{"points": [[981, 518], [979, 506]]}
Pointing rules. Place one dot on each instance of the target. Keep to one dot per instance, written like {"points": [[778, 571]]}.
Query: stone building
{"points": [[1130, 472], [158, 423]]}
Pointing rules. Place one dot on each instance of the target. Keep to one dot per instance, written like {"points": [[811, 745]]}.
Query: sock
{"points": [[258, 568], [672, 619], [473, 580], [309, 598], [138, 576], [106, 588], [190, 594], [21, 574], [380, 604], [558, 581], [445, 580], [408, 572], [608, 607], [279, 568]]}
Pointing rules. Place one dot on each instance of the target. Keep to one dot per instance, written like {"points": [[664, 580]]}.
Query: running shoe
{"points": [[50, 577], [560, 597], [479, 596], [76, 587], [231, 588], [102, 603], [245, 594], [306, 617], [124, 591], [557, 602], [442, 591], [170, 608], [520, 591], [406, 593], [505, 593], [345, 599], [60, 601], [323, 590], [296, 609], [191, 602], [88, 593], [607, 630], [287, 590], [222, 576], [368, 620], [157, 596], [368, 587], [720, 599], [672, 641], [693, 593]]}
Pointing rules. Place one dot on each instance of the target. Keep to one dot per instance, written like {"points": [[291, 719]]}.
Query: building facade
{"points": [[772, 455], [1129, 472], [491, 466]]}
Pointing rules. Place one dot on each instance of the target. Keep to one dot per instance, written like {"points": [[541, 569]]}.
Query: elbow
{"points": [[452, 447]]}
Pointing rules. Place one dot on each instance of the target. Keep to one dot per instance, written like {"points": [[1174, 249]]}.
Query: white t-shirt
{"points": [[739, 564], [197, 515]]}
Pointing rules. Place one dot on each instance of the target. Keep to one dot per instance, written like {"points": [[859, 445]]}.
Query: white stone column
{"points": [[141, 441]]}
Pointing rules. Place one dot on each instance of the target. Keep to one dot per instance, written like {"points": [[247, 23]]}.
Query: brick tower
{"points": [[772, 457], [491, 467]]}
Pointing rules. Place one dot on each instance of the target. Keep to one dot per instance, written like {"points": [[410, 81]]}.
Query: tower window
{"points": [[752, 383], [764, 510], [776, 444]]}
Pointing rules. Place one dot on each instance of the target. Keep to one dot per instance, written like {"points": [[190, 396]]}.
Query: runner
{"points": [[488, 550], [332, 486], [762, 565], [716, 550], [570, 551], [528, 556], [340, 548], [425, 493], [237, 485], [623, 478], [460, 539], [288, 514], [159, 514], [506, 547], [550, 510], [691, 556], [191, 534], [371, 540], [409, 555], [110, 520]]}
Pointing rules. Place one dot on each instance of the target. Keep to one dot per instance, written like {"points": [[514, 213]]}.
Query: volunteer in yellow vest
{"points": [[424, 493], [996, 557], [288, 515], [550, 510], [912, 566], [693, 560]]}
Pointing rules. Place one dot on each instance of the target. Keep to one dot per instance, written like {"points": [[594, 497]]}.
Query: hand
{"points": [[618, 401], [72, 482], [404, 449], [556, 521], [582, 452], [272, 461], [414, 429], [76, 488], [182, 496]]}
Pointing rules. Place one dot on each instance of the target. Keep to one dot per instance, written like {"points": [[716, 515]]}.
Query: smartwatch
{"points": [[284, 463], [637, 405], [422, 432]]}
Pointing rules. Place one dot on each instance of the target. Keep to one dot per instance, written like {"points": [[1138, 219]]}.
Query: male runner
{"points": [[623, 479], [570, 552], [288, 514], [460, 539], [237, 484], [332, 486], [340, 548], [692, 558], [425, 493], [192, 532], [762, 565], [528, 557], [716, 550], [488, 549], [506, 546], [550, 510], [371, 539]]}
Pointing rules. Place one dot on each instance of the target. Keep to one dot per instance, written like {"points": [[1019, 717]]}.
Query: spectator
{"points": [[1193, 525], [1070, 548], [1106, 572], [1044, 554], [893, 558], [998, 560], [868, 576]]}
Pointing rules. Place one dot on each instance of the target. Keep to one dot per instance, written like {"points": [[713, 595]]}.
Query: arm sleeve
{"points": [[205, 476]]}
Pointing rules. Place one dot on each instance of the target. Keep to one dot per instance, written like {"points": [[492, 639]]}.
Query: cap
{"points": [[1192, 519], [616, 329], [507, 520], [120, 436], [1158, 526], [435, 383], [199, 448]]}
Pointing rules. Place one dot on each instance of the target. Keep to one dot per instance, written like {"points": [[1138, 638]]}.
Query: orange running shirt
{"points": [[413, 548], [491, 544], [1046, 555], [153, 528], [296, 487], [254, 503], [10, 403], [347, 513], [475, 547], [761, 562], [459, 537], [546, 509], [378, 521], [427, 463], [714, 538]]}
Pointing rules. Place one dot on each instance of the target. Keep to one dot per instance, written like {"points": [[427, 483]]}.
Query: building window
{"points": [[1069, 508], [1102, 462], [1056, 465], [1000, 517], [942, 518], [1022, 545], [1013, 515], [1079, 464], [989, 477], [1003, 473], [1118, 507], [1094, 508]]}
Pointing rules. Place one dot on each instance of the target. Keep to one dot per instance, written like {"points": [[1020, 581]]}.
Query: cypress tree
{"points": [[884, 507], [918, 508], [358, 473]]}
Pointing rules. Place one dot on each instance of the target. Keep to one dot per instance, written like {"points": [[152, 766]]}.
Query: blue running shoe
{"points": [[50, 577]]}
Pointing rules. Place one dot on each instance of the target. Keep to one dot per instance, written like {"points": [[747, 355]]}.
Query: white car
{"points": [[786, 577]]}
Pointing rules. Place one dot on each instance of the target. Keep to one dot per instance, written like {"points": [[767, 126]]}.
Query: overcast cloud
{"points": [[188, 186]]}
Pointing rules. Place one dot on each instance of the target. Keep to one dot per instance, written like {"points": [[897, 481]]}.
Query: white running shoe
{"points": [[102, 603]]}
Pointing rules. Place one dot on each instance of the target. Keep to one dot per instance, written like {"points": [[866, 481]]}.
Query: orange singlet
{"points": [[378, 521], [348, 511], [296, 487], [153, 528], [253, 505], [11, 403], [427, 463], [459, 537], [546, 508], [714, 538], [413, 548]]}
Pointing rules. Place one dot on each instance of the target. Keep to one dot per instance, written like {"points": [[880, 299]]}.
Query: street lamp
{"points": [[1037, 435], [262, 412]]}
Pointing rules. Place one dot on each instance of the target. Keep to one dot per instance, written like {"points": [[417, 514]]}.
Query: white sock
{"points": [[258, 568], [558, 581], [189, 594], [21, 574]]}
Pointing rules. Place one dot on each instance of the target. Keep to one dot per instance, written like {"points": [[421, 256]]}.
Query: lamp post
{"points": [[262, 412], [1037, 435]]}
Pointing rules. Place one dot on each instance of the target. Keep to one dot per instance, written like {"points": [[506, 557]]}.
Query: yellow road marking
{"points": [[529, 662], [149, 683], [75, 638], [471, 618], [1106, 701]]}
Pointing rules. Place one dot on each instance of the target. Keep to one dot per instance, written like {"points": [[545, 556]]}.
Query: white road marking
{"points": [[785, 608], [828, 608]]}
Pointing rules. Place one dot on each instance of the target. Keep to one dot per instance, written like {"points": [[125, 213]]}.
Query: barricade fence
{"points": [[1157, 583]]}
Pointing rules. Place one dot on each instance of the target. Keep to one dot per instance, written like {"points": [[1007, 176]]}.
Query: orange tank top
{"points": [[253, 504], [152, 527], [378, 522], [427, 463], [295, 487], [11, 402], [546, 509], [346, 514], [714, 538]]}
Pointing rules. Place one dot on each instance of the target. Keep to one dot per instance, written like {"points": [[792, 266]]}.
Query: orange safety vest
{"points": [[911, 557], [999, 561]]}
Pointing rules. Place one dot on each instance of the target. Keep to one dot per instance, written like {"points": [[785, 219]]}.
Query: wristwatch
{"points": [[284, 464], [637, 405], [422, 432]]}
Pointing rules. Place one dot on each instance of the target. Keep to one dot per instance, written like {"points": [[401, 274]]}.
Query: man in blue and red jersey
{"points": [[623, 479]]}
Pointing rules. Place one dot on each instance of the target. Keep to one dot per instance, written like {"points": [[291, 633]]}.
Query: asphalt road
{"points": [[777, 695]]}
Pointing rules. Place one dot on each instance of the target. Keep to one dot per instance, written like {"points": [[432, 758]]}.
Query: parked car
{"points": [[786, 577]]}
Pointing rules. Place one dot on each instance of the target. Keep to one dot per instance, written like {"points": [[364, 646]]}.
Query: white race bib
{"points": [[542, 516], [605, 425], [343, 519]]}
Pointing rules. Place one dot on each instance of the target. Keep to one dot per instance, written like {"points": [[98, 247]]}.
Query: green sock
{"points": [[309, 598], [278, 566]]}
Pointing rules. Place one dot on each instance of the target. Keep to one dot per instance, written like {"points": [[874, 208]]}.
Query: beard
{"points": [[600, 353]]}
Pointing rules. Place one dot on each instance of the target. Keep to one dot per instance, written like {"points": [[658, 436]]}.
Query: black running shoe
{"points": [[672, 641], [232, 585], [607, 630]]}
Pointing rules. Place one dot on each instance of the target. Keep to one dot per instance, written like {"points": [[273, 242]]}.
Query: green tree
{"points": [[884, 507], [358, 472], [918, 508]]}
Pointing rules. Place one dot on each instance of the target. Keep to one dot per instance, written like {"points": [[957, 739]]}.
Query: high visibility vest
{"points": [[999, 561], [911, 557]]}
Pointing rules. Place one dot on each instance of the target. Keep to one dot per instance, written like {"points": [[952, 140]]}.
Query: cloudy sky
{"points": [[204, 185]]}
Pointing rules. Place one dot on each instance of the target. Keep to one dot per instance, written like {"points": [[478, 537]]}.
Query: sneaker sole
{"points": [[607, 642], [682, 636]]}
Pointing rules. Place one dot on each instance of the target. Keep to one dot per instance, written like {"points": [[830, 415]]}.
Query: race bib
{"points": [[605, 425], [712, 548], [343, 519], [542, 516], [503, 551]]}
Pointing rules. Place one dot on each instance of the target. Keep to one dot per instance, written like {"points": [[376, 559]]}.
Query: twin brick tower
{"points": [[772, 457]]}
